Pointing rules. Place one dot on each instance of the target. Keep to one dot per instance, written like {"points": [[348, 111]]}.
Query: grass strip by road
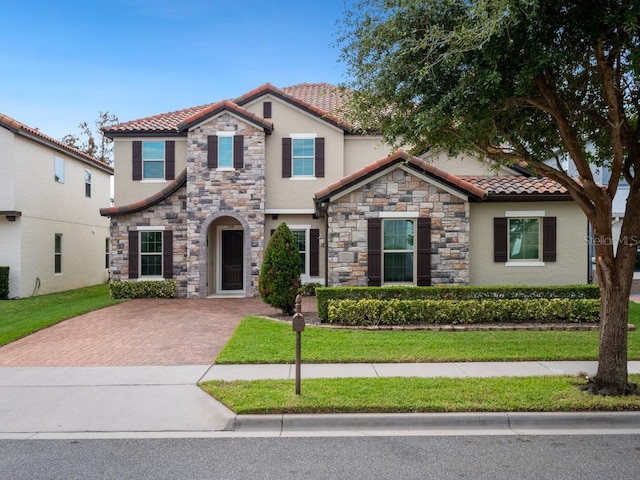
{"points": [[409, 395], [20, 318], [260, 340]]}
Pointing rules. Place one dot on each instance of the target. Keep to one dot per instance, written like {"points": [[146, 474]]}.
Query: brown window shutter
{"points": [[374, 240], [133, 254], [238, 152], [286, 157], [314, 252], [170, 160], [319, 167], [549, 239], [212, 151], [266, 109], [167, 253], [136, 156], [424, 252], [500, 244]]}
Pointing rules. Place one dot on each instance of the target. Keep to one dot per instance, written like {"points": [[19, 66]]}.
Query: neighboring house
{"points": [[52, 236], [199, 191]]}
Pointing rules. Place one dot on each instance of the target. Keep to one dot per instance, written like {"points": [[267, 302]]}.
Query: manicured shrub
{"points": [[324, 294], [143, 289], [308, 289], [279, 279], [367, 312], [4, 283]]}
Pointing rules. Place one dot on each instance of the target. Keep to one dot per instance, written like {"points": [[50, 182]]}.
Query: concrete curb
{"points": [[498, 423]]}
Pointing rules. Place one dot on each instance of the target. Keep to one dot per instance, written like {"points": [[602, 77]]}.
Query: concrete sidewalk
{"points": [[116, 402]]}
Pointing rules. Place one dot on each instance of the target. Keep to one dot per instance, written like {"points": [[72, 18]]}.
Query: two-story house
{"points": [[199, 191], [52, 236]]}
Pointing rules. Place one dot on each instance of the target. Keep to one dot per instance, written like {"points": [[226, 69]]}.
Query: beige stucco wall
{"points": [[463, 164], [49, 207], [125, 189], [570, 266], [7, 164]]}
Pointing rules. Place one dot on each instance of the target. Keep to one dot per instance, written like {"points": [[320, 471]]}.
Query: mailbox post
{"points": [[298, 327]]}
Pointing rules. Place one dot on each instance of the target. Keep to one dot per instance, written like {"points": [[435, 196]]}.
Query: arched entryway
{"points": [[226, 264]]}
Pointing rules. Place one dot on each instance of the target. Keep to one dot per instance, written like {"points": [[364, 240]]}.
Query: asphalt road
{"points": [[555, 457]]}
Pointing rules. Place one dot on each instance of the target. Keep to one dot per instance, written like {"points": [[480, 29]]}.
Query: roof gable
{"points": [[217, 108], [400, 159], [33, 134], [318, 99]]}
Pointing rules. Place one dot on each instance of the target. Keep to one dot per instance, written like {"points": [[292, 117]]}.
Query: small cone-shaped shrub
{"points": [[280, 273]]}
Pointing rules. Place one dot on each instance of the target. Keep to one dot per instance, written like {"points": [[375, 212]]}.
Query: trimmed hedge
{"points": [[143, 289], [4, 283], [325, 294], [407, 312]]}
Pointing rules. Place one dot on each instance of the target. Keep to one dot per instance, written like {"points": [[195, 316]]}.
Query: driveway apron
{"points": [[136, 333]]}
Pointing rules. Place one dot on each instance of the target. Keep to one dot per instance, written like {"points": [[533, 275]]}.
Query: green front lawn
{"points": [[403, 395], [260, 340], [19, 318]]}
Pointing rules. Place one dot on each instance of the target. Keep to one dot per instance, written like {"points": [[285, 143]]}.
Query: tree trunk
{"points": [[612, 376]]}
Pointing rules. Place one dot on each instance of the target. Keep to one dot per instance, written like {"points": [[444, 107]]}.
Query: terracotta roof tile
{"points": [[170, 189], [321, 99], [24, 130], [517, 185], [215, 108], [399, 156]]}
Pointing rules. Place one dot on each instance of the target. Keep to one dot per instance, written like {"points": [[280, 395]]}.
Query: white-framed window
{"points": [[57, 254], [153, 157], [303, 155], [524, 239], [151, 253], [225, 150], [398, 250], [58, 169], [301, 236], [87, 183]]}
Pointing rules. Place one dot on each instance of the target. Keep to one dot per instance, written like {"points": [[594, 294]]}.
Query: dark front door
{"points": [[232, 241]]}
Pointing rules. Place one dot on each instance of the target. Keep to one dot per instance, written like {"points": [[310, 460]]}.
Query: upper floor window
{"points": [[58, 169], [225, 149], [152, 159], [87, 183], [302, 156], [398, 250]]}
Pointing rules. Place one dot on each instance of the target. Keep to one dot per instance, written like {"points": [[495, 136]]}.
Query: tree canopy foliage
{"points": [[526, 82], [92, 141]]}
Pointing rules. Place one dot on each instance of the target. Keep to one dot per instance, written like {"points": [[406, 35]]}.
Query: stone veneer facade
{"points": [[213, 194], [169, 214], [210, 195], [398, 191]]}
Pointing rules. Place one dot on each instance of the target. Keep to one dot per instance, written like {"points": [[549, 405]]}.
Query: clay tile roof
{"points": [[34, 134], [216, 108], [400, 156], [170, 189], [517, 185], [320, 99]]}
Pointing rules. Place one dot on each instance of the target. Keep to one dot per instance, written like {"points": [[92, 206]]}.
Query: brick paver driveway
{"points": [[137, 332]]}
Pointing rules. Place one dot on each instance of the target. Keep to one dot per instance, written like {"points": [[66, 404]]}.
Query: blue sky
{"points": [[64, 61]]}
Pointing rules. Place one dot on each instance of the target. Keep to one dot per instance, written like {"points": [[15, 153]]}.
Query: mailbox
{"points": [[298, 322]]}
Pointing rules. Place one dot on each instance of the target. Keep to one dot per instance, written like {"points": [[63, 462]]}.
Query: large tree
{"points": [[526, 82]]}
